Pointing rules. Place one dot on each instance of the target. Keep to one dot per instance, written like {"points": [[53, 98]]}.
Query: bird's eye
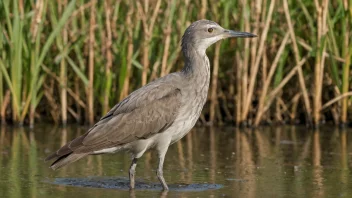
{"points": [[210, 30]]}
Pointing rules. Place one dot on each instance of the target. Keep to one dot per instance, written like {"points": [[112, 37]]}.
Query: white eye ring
{"points": [[210, 30]]}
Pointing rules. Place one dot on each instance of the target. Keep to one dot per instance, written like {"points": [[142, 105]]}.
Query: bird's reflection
{"points": [[163, 194], [132, 193]]}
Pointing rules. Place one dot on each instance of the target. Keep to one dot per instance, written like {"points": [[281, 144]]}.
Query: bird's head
{"points": [[203, 33]]}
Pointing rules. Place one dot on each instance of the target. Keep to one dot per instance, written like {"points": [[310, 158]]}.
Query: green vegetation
{"points": [[73, 60]]}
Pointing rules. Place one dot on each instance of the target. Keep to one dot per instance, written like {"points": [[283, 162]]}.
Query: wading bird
{"points": [[157, 114]]}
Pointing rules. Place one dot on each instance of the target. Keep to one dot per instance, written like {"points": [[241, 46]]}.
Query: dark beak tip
{"points": [[250, 35], [233, 33]]}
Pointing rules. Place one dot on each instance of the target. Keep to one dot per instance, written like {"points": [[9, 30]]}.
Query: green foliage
{"points": [[32, 37]]}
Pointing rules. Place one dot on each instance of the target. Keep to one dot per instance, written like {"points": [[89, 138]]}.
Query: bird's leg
{"points": [[132, 172], [159, 173]]}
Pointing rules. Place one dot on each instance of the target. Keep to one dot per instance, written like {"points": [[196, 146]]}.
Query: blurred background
{"points": [[71, 61]]}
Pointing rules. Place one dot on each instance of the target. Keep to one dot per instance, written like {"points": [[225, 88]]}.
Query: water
{"points": [[208, 162]]}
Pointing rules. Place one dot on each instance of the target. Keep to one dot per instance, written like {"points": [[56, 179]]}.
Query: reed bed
{"points": [[71, 61]]}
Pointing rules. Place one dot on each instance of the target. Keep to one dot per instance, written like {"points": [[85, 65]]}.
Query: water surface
{"points": [[208, 162]]}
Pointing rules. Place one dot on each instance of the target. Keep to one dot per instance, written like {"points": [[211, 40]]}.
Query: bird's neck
{"points": [[197, 65]]}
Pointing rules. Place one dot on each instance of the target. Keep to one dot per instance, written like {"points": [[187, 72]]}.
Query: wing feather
{"points": [[145, 112], [139, 123]]}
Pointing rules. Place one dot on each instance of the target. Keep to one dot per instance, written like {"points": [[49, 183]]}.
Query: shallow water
{"points": [[208, 162]]}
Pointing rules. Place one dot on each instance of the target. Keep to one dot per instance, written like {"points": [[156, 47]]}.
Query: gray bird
{"points": [[157, 114]]}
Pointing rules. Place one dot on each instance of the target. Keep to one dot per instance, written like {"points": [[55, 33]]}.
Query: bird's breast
{"points": [[188, 115], [194, 95]]}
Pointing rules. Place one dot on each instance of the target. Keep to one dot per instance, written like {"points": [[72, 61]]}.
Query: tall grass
{"points": [[66, 61]]}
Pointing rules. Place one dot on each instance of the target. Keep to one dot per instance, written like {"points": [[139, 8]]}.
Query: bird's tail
{"points": [[67, 159]]}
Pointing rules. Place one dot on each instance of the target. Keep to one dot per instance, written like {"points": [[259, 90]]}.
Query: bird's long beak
{"points": [[231, 33]]}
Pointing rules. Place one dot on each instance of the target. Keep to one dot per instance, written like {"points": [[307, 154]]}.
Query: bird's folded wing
{"points": [[144, 113]]}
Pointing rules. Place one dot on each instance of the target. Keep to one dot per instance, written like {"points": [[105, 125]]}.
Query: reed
{"points": [[346, 53], [90, 88], [71, 61]]}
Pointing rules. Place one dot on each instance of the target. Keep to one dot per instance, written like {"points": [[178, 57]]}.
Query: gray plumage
{"points": [[158, 114]]}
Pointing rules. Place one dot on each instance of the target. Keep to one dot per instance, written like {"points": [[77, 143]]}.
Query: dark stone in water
{"points": [[123, 184]]}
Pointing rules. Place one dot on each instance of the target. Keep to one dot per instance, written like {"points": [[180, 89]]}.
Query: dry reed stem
{"points": [[257, 7], [145, 48], [203, 9], [4, 105], [214, 83], [282, 108], [319, 62], [76, 92], [265, 65], [148, 26], [63, 76], [278, 114], [336, 99], [255, 67], [273, 93], [326, 54], [36, 19], [345, 87], [90, 89], [167, 36], [295, 100], [155, 69], [69, 90], [63, 80], [34, 31], [283, 105], [239, 86], [346, 68], [52, 103], [108, 44], [75, 115], [242, 71], [80, 20], [129, 25], [297, 59], [182, 22], [81, 9], [268, 80]]}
